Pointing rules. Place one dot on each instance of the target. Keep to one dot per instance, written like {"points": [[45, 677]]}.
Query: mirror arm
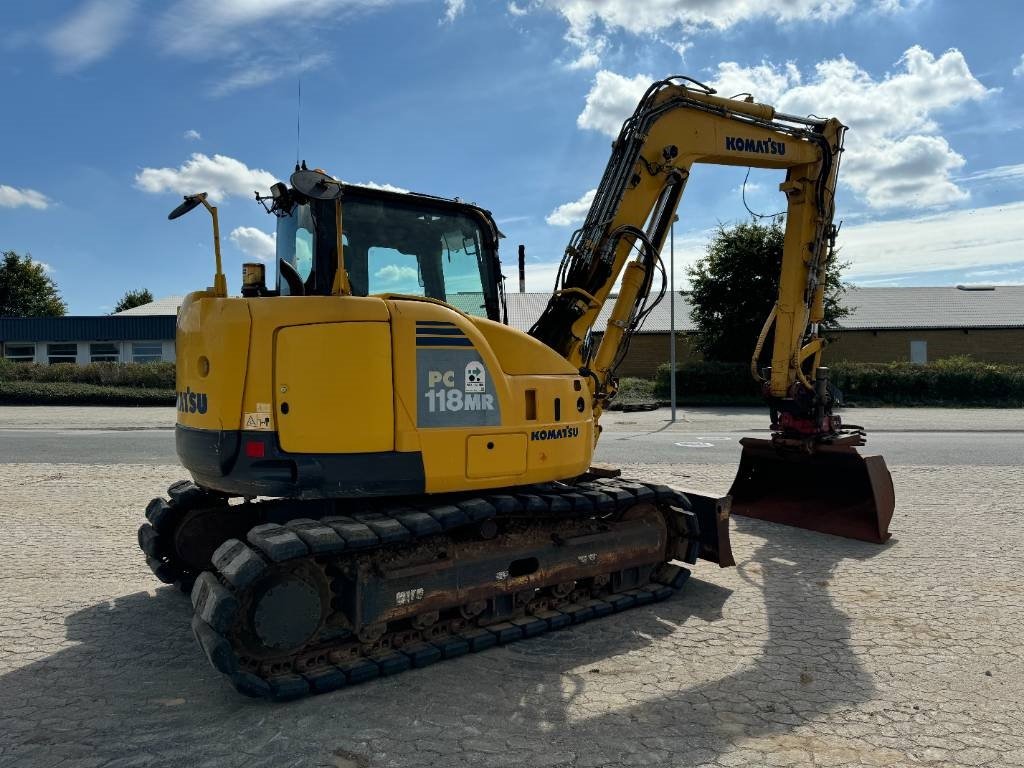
{"points": [[220, 283], [342, 286]]}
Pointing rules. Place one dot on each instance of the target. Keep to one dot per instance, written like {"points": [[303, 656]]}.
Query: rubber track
{"points": [[216, 601], [156, 537]]}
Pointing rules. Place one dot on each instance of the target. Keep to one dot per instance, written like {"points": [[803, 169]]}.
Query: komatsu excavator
{"points": [[385, 474]]}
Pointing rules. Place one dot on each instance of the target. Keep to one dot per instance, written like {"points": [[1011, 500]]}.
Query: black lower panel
{"points": [[251, 464]]}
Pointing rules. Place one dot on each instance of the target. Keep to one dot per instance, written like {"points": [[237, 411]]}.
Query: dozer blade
{"points": [[713, 517], [835, 490]]}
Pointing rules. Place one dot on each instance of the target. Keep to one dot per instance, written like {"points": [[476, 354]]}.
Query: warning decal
{"points": [[263, 422]]}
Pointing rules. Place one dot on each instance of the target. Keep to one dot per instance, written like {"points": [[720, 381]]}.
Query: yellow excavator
{"points": [[385, 474]]}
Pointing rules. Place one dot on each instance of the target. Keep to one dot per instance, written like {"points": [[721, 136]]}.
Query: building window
{"points": [[147, 352], [919, 352], [104, 353], [62, 353], [20, 353]]}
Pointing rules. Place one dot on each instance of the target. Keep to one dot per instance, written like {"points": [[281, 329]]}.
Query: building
{"points": [[88, 339], [885, 325]]}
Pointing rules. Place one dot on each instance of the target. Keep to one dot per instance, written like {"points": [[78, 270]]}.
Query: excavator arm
{"points": [[677, 124], [809, 474]]}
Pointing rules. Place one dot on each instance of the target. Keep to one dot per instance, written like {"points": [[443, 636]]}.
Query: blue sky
{"points": [[114, 108]]}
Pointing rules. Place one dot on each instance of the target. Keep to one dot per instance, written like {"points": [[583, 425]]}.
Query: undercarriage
{"points": [[306, 596]]}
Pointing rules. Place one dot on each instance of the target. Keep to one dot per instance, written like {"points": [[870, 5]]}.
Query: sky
{"points": [[113, 109]]}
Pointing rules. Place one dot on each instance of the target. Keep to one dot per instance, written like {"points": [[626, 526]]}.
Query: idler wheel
{"points": [[287, 614]]}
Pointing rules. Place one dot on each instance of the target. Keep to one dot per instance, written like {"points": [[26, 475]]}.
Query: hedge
{"points": [[956, 381], [73, 393], [144, 375]]}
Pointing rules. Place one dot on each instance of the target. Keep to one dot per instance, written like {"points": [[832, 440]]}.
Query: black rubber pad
{"points": [[477, 509], [422, 654], [324, 680], [213, 603], [238, 564], [448, 515], [277, 542], [356, 535]]}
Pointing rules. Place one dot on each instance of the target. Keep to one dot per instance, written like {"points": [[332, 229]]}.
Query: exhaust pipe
{"points": [[833, 490]]}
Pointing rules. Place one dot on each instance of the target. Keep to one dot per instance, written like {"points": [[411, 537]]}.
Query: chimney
{"points": [[522, 269]]}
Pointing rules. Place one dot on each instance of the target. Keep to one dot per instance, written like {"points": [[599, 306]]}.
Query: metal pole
{"points": [[672, 314]]}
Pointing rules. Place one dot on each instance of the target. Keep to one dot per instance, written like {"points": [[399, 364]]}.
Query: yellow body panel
{"points": [[367, 375], [496, 455], [212, 351], [332, 388]]}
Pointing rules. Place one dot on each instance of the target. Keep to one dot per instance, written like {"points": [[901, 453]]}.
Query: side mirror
{"points": [[191, 201], [316, 185], [220, 283]]}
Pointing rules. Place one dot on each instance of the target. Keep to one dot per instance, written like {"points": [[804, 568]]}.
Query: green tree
{"points": [[735, 285], [133, 299], [26, 290]]}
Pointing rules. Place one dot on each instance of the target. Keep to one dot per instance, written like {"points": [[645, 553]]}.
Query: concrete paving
{"points": [[745, 419], [813, 651]]}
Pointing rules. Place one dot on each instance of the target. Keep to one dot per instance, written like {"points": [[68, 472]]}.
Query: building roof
{"points": [[169, 305], [87, 328], [960, 307], [871, 308]]}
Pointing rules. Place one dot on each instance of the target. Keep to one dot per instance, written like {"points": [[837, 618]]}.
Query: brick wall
{"points": [[994, 345], [649, 350]]}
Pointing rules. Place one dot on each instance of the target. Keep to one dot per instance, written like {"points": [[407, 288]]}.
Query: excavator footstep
{"points": [[834, 490]]}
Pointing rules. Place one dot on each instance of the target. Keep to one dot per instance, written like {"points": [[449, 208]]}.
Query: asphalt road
{"points": [[650, 446]]}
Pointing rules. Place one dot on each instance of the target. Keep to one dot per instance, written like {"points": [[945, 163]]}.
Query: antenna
{"points": [[298, 122]]}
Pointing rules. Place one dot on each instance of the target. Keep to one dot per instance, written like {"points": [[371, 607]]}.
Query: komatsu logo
{"points": [[554, 434], [191, 402], [761, 146]]}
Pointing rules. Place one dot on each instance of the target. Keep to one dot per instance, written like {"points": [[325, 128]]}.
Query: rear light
{"points": [[255, 449]]}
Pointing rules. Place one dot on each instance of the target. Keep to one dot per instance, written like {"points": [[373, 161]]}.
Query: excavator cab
{"points": [[392, 243]]}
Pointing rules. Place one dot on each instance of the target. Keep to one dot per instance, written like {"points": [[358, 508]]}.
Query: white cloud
{"points": [[252, 74], [570, 214], [1018, 71], [895, 153], [200, 29], [517, 10], [393, 273], [219, 176], [375, 185], [591, 21], [255, 242], [1009, 173], [14, 197], [191, 135], [612, 98], [895, 156], [91, 32], [979, 237], [765, 81], [452, 8], [47, 268]]}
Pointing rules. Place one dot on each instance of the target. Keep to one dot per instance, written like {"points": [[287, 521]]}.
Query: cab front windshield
{"points": [[391, 246]]}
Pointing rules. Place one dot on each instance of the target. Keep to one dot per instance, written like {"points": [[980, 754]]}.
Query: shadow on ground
{"points": [[679, 682]]}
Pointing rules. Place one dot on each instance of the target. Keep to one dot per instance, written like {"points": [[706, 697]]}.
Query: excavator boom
{"points": [[679, 123]]}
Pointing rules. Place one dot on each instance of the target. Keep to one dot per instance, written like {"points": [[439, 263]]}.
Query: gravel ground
{"points": [[815, 650]]}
